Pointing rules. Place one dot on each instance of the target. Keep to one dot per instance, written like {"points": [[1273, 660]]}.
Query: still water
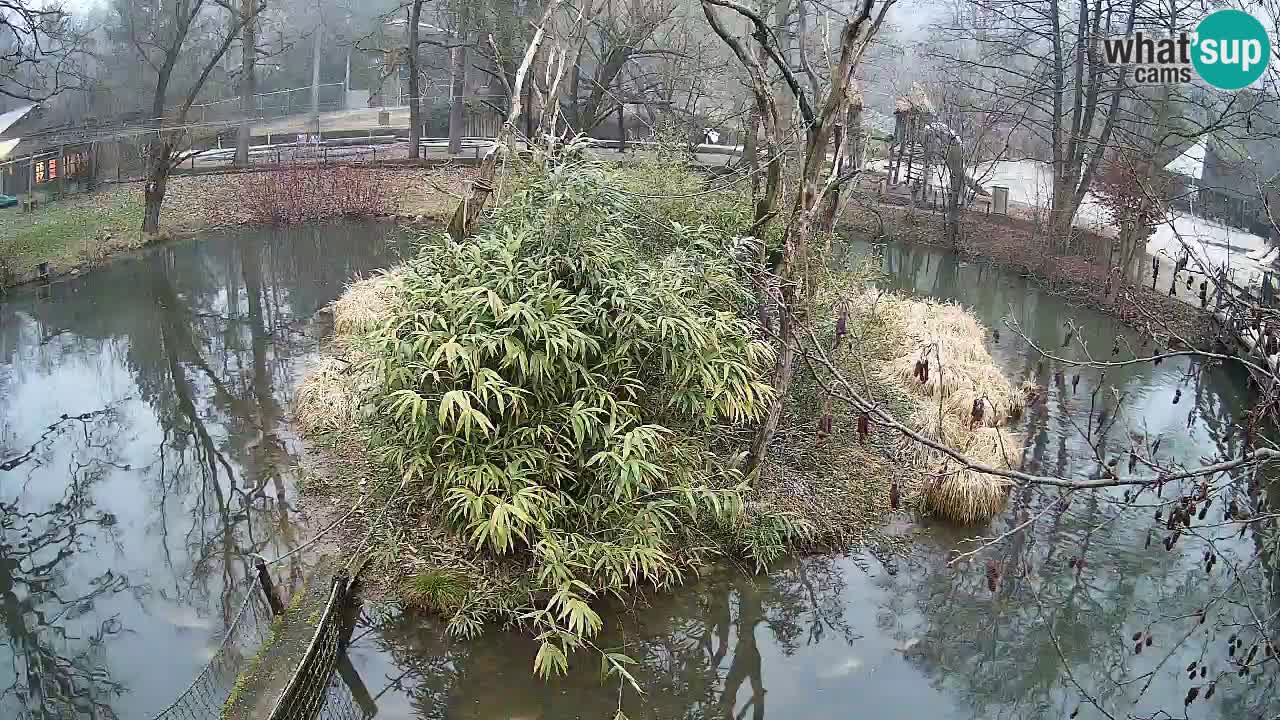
{"points": [[145, 453], [143, 422], [845, 636]]}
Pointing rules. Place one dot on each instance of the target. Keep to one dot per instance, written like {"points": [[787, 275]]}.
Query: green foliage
{"points": [[680, 199], [64, 233], [439, 590], [766, 539], [554, 384]]}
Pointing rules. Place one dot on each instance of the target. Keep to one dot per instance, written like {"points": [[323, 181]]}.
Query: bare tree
{"points": [[162, 35], [821, 113], [1045, 54], [39, 50], [248, 78], [970, 136]]}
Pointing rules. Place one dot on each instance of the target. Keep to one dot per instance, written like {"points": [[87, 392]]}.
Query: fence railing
{"points": [[315, 685], [323, 683]]}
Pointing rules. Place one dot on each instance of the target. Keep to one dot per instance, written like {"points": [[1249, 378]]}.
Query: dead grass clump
{"points": [[966, 497], [963, 400], [364, 306], [331, 394]]}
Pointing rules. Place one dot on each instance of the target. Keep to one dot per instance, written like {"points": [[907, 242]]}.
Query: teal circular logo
{"points": [[1231, 49]]}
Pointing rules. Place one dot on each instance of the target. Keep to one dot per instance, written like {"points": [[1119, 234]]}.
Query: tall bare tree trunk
{"points": [[248, 80], [575, 83], [468, 211], [750, 126], [955, 191], [855, 138], [159, 150], [415, 99], [456, 110]]}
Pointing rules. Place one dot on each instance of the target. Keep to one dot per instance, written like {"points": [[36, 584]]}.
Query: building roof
{"points": [[915, 101], [1190, 163], [8, 119]]}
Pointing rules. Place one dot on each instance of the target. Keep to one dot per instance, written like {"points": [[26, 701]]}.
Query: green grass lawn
{"points": [[75, 231]]}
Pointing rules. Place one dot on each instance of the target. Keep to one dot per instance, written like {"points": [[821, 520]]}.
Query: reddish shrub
{"points": [[311, 193]]}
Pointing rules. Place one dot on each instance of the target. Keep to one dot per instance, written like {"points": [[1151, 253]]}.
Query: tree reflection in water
{"points": [[195, 347], [698, 653], [57, 671]]}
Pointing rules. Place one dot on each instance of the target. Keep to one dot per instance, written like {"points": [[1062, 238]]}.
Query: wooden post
{"points": [[268, 588]]}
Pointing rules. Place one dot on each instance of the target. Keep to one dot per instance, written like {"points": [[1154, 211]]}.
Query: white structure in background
{"points": [[1212, 244], [7, 120], [1190, 163]]}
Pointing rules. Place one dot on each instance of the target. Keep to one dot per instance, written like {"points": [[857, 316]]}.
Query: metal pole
{"points": [[346, 83], [315, 79]]}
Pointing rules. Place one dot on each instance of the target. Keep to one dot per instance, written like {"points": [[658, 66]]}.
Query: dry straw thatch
{"points": [[333, 389], [950, 342], [330, 394], [363, 307]]}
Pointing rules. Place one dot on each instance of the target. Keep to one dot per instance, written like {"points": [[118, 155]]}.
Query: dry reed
{"points": [[334, 388], [331, 394], [962, 400], [364, 306]]}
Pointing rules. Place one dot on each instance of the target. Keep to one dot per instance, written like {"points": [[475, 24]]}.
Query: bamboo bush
{"points": [[553, 383]]}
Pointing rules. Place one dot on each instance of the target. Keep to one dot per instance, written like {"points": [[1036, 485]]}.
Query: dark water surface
{"points": [[143, 427], [842, 636], [127, 525]]}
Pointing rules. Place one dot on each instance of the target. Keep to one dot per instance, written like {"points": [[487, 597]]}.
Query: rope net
{"points": [[205, 697]]}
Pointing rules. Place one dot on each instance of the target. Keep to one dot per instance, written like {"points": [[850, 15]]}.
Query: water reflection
{"points": [[710, 651], [145, 454], [832, 637]]}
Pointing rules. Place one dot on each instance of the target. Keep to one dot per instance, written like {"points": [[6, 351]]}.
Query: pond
{"points": [[847, 636], [145, 453], [143, 425]]}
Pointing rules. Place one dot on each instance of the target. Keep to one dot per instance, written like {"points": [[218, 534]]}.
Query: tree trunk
{"points": [[783, 371], [248, 81], [415, 99], [315, 78], [750, 128], [468, 211], [955, 192], [575, 84], [781, 92], [854, 136], [157, 183], [456, 116], [1061, 214]]}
